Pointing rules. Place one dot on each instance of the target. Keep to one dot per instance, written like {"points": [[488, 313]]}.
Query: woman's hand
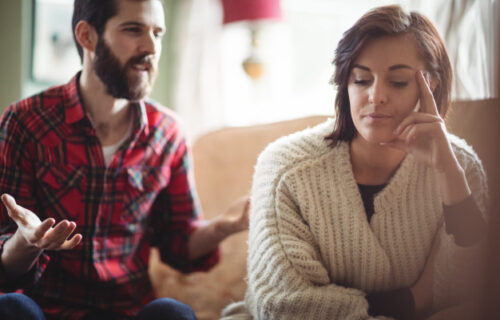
{"points": [[423, 132], [38, 234]]}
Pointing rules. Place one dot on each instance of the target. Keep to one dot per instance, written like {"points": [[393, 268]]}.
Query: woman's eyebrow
{"points": [[400, 66], [391, 68], [361, 67]]}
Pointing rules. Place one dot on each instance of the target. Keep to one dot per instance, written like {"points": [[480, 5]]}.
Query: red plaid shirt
{"points": [[52, 163]]}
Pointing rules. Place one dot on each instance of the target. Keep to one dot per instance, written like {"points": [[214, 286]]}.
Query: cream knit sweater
{"points": [[312, 252]]}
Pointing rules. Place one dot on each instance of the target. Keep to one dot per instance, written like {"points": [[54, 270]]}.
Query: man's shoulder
{"points": [[154, 108], [162, 118], [46, 100]]}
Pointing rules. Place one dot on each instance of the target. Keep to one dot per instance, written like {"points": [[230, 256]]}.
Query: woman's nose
{"points": [[378, 93]]}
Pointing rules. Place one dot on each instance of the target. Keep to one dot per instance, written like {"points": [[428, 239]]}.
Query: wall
{"points": [[15, 55]]}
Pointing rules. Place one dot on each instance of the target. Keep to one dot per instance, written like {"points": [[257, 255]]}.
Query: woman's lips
{"points": [[377, 116]]}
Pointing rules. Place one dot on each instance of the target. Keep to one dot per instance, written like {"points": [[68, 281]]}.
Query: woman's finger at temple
{"points": [[427, 102]]}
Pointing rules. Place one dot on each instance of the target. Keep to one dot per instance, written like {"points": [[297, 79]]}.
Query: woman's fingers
{"points": [[427, 102], [415, 118], [419, 130], [413, 132]]}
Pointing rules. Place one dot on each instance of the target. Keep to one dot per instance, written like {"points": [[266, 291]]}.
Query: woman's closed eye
{"points": [[362, 82], [399, 84]]}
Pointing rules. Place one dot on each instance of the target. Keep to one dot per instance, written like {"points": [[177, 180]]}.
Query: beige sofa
{"points": [[224, 161]]}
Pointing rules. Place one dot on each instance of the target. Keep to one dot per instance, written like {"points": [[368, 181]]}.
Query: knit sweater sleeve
{"points": [[458, 270], [286, 277]]}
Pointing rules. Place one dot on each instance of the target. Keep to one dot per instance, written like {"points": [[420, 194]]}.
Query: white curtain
{"points": [[470, 29], [197, 51], [207, 98]]}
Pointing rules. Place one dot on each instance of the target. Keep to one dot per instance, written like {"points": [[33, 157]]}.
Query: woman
{"points": [[381, 216]]}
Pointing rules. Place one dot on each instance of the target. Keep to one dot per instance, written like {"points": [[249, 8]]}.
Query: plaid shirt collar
{"points": [[74, 110]]}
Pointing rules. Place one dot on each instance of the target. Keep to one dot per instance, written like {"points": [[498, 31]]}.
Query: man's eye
{"points": [[399, 84], [159, 34], [133, 30]]}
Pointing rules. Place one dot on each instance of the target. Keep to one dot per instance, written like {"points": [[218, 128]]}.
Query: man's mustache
{"points": [[142, 59]]}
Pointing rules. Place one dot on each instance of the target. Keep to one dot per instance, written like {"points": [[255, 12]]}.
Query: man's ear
{"points": [[86, 35]]}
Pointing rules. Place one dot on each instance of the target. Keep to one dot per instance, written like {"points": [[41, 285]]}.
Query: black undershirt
{"points": [[368, 192]]}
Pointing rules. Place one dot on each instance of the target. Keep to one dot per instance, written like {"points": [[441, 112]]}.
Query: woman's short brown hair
{"points": [[381, 22]]}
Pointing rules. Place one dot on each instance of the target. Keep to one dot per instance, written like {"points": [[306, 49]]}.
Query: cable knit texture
{"points": [[312, 252]]}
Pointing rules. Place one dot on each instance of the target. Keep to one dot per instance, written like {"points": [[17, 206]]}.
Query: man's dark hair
{"points": [[96, 13]]}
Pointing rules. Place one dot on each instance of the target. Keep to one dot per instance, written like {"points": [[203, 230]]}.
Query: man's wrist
{"points": [[20, 243], [223, 228]]}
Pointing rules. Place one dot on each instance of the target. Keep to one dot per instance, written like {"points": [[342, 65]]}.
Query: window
{"points": [[297, 53], [54, 56]]}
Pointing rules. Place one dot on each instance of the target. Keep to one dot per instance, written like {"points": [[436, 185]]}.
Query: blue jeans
{"points": [[15, 306]]}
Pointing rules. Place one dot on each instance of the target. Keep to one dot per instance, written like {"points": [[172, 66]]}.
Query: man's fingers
{"points": [[43, 228], [8, 200], [57, 235], [20, 215], [427, 102], [12, 208], [71, 243]]}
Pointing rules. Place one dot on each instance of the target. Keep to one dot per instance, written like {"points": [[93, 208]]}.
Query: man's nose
{"points": [[150, 44], [378, 93]]}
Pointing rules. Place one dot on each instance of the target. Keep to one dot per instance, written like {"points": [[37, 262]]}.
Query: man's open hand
{"points": [[41, 234]]}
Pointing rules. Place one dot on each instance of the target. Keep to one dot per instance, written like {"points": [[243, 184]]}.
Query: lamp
{"points": [[252, 11]]}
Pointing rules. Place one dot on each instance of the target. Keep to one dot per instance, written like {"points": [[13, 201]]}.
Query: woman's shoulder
{"points": [[294, 149]]}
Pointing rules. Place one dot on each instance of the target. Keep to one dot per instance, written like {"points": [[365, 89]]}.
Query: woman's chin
{"points": [[378, 138]]}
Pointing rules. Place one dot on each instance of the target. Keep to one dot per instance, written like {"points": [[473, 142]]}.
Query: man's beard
{"points": [[114, 76]]}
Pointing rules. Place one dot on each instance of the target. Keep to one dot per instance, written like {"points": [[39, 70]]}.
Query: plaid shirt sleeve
{"points": [[175, 215], [16, 175]]}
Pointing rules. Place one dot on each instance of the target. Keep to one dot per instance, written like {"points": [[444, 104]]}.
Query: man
{"points": [[92, 176]]}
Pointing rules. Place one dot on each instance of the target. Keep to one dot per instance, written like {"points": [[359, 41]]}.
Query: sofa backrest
{"points": [[224, 161], [478, 122]]}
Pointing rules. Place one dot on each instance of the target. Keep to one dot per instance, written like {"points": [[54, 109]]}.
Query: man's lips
{"points": [[142, 66]]}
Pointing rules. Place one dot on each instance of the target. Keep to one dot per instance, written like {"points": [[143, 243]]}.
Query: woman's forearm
{"points": [[453, 184], [462, 216]]}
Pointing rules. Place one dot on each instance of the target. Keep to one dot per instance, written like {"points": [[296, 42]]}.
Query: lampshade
{"points": [[238, 10]]}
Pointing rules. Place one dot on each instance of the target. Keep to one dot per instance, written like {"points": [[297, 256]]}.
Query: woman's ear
{"points": [[434, 83], [86, 35]]}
